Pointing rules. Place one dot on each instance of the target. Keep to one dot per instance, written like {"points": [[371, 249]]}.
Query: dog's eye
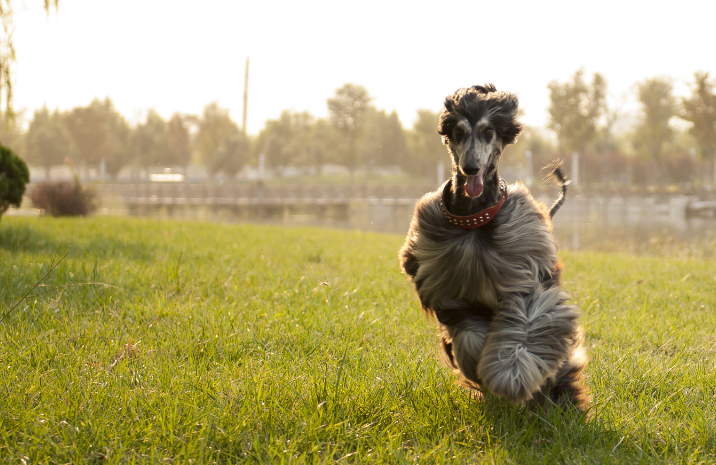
{"points": [[457, 134], [487, 132]]}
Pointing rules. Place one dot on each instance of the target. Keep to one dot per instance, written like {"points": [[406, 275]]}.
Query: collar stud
{"points": [[478, 219]]}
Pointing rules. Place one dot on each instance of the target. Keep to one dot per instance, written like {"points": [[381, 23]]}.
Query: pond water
{"points": [[631, 225], [639, 225]]}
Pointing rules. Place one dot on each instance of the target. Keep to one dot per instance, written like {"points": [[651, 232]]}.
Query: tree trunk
{"points": [[659, 178], [352, 159]]}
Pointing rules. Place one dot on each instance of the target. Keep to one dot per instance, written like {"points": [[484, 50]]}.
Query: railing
{"points": [[244, 194], [171, 194]]}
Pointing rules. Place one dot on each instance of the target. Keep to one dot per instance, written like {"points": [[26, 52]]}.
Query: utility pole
{"points": [[246, 92]]}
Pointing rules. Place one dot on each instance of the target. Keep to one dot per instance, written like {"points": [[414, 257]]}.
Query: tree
{"points": [[700, 111], [605, 144], [324, 140], [298, 139], [11, 132], [237, 151], [575, 109], [47, 141], [383, 142], [302, 147], [13, 177], [117, 149], [658, 107], [7, 53], [88, 130], [13, 171], [347, 111], [179, 141], [99, 134], [426, 146], [151, 141], [216, 130], [541, 148], [287, 140]]}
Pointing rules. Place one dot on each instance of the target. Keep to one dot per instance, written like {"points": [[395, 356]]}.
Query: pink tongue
{"points": [[473, 186]]}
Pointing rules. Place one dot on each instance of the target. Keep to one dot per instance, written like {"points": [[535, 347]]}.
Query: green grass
{"points": [[224, 343]]}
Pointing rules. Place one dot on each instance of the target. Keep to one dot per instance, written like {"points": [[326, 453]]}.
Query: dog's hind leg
{"points": [[530, 338]]}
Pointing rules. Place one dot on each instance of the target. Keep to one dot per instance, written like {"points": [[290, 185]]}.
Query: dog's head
{"points": [[476, 124]]}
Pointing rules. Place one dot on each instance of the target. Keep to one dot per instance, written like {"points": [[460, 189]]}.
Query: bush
{"points": [[13, 177], [64, 198]]}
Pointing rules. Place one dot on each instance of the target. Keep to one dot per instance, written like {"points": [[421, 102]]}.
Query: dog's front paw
{"points": [[530, 338], [512, 372]]}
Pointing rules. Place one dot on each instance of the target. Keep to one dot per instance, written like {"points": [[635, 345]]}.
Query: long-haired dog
{"points": [[483, 261]]}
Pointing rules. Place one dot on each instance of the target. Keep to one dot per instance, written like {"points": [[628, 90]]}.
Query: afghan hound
{"points": [[483, 260]]}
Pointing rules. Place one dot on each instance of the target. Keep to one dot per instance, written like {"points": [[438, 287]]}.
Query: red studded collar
{"points": [[478, 219]]}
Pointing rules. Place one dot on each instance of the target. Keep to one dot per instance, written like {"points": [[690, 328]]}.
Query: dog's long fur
{"points": [[504, 322]]}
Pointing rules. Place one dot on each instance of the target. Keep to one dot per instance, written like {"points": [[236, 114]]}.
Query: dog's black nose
{"points": [[470, 168]]}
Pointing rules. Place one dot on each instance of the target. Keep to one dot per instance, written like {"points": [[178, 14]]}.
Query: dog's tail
{"points": [[557, 173]]}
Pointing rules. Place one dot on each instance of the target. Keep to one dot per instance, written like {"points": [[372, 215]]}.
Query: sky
{"points": [[178, 56]]}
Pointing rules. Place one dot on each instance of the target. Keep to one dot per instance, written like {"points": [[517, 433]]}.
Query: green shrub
{"points": [[13, 177], [64, 198]]}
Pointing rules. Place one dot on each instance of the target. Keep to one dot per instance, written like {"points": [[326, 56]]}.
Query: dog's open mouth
{"points": [[473, 185]]}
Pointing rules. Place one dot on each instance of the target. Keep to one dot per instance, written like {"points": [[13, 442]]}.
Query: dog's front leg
{"points": [[408, 263], [531, 336], [408, 260], [466, 341]]}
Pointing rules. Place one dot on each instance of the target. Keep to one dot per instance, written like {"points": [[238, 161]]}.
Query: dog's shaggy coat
{"points": [[503, 319]]}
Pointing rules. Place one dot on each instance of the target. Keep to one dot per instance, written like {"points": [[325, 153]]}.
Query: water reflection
{"points": [[638, 225]]}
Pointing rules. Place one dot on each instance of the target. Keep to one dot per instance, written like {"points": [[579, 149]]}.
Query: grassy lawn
{"points": [[165, 341]]}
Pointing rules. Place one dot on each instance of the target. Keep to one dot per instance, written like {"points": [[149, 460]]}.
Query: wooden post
{"points": [[575, 169], [441, 173], [528, 168]]}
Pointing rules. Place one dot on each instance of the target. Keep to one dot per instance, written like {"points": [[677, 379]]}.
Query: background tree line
{"points": [[355, 134], [98, 137], [671, 140]]}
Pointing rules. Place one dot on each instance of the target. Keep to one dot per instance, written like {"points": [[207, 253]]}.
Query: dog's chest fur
{"points": [[476, 267]]}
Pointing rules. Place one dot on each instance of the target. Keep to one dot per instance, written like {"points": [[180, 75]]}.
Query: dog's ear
{"points": [[510, 127], [447, 119]]}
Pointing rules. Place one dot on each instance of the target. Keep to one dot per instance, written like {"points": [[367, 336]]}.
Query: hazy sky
{"points": [[180, 55]]}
